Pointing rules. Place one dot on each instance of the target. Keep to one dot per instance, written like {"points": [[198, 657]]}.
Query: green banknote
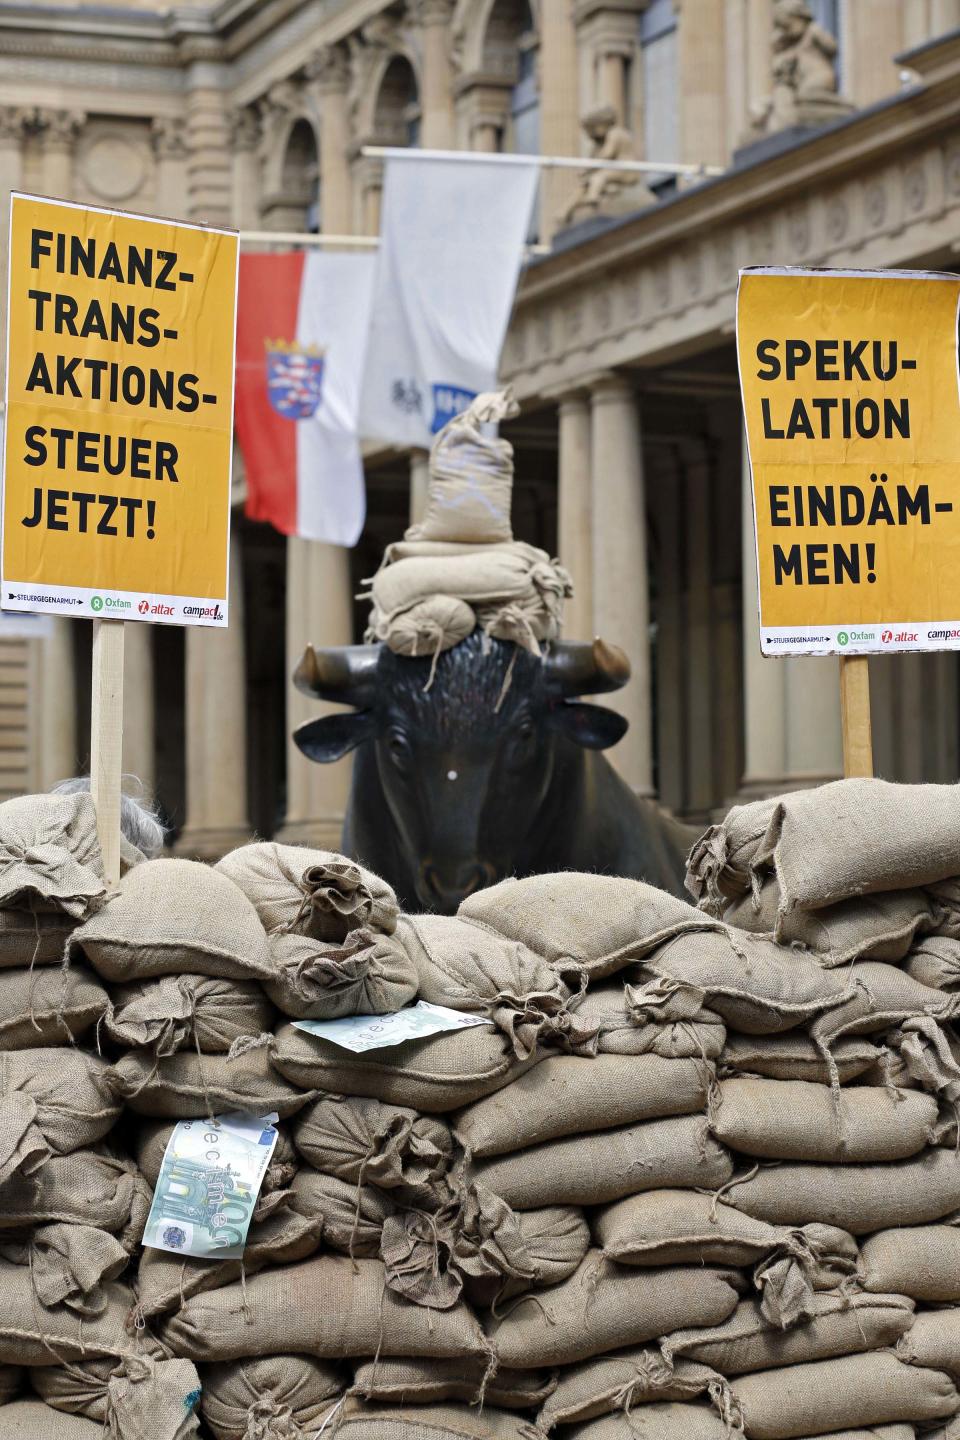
{"points": [[208, 1186]]}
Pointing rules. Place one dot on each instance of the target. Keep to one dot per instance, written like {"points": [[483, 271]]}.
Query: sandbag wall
{"points": [[696, 1176]]}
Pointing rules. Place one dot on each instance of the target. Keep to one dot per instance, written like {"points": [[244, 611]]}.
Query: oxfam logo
{"points": [[842, 637], [96, 603]]}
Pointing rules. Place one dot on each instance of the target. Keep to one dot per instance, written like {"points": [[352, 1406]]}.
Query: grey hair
{"points": [[139, 820]]}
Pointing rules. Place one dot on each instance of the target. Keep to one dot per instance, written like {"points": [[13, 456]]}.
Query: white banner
{"points": [[451, 245]]}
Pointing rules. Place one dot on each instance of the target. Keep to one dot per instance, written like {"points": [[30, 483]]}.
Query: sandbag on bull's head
{"points": [[50, 857], [196, 1012], [51, 1102], [367, 973], [310, 892], [362, 1140]]}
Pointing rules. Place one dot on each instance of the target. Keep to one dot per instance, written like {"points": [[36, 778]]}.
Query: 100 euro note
{"points": [[208, 1185]]}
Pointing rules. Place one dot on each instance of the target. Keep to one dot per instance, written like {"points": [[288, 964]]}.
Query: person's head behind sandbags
{"points": [[471, 477]]}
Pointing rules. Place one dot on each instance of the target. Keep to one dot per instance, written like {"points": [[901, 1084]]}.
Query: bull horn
{"points": [[576, 669], [343, 673]]}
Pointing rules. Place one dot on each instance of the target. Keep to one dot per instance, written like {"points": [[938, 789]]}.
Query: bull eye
{"points": [[399, 748]]}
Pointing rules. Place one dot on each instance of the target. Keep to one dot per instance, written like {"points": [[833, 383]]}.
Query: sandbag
{"points": [[51, 1101], [149, 1143], [935, 961], [681, 1227], [658, 1421], [311, 892], [879, 996], [41, 1008], [922, 1261], [50, 857], [187, 1012], [272, 1394], [836, 1325], [580, 921], [80, 1387], [826, 1395], [620, 1382], [31, 1334], [795, 1057], [29, 938], [567, 1095], [70, 1264], [139, 1396], [933, 1340], [174, 917], [471, 476], [276, 1312], [434, 1074], [848, 838], [430, 1422], [422, 1382], [365, 974], [876, 927], [655, 1019], [363, 1140], [795, 1120], [72, 1189], [606, 1307], [351, 1216], [859, 1199], [32, 1419], [11, 1382], [597, 1168], [188, 1086]]}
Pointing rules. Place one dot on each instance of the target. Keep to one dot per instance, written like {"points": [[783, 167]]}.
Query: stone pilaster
{"points": [[701, 89], [698, 638], [209, 167], [574, 512], [560, 106], [609, 32], [328, 77], [245, 136], [433, 19], [621, 602], [139, 736], [55, 715], [170, 149], [59, 130], [419, 484]]}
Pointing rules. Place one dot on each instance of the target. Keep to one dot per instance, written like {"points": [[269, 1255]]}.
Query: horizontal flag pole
{"points": [[357, 242], [545, 162]]}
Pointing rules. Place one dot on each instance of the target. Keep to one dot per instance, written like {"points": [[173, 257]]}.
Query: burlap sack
{"points": [[50, 856], [597, 923], [48, 1007], [859, 1199], [837, 1325], [277, 1312], [933, 1340], [606, 1307], [681, 1227], [425, 1382], [596, 1168], [51, 1101], [362, 1140], [137, 1397], [149, 1143], [174, 917], [795, 1120], [882, 996], [311, 892], [80, 1387], [849, 838], [658, 1421], [266, 1398], [653, 1019], [28, 938], [875, 1389], [935, 961], [351, 1216], [12, 1379], [89, 1186], [435, 1074], [278, 1235], [567, 1095], [428, 627], [30, 1334], [190, 1086], [32, 1419], [70, 1264], [922, 1261], [756, 986], [365, 974], [180, 1012], [360, 1421], [875, 927], [621, 1382], [795, 1057], [471, 476]]}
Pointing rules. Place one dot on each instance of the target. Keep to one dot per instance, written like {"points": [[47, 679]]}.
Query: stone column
{"points": [[319, 612], [621, 606], [559, 109], [701, 89], [217, 730], [60, 129], [367, 193], [139, 757], [245, 138], [170, 148], [55, 733], [209, 166], [329, 76], [699, 647], [419, 484], [759, 34], [872, 35], [437, 126], [574, 512]]}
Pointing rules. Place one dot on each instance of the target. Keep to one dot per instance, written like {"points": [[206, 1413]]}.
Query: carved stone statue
{"points": [[606, 191], [804, 75]]}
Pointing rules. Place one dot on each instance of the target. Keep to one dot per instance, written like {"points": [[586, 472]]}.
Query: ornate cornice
{"points": [[328, 69], [16, 121], [60, 128]]}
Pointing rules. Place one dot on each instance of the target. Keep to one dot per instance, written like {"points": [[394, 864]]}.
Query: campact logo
{"points": [[96, 603], [842, 637], [943, 634], [203, 612]]}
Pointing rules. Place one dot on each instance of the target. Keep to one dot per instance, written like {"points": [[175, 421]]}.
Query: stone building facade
{"points": [[629, 451]]}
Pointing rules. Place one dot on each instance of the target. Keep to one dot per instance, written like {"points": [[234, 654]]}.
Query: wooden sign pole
{"points": [[855, 716], [106, 740]]}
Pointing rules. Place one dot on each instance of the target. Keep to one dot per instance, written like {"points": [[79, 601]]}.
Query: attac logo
{"points": [[898, 637], [143, 607], [146, 608]]}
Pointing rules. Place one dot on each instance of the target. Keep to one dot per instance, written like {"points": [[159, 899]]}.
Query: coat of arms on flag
{"points": [[448, 401], [294, 378]]}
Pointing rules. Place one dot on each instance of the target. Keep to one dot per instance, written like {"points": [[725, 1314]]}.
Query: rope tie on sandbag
{"points": [[724, 1189], [336, 1415]]}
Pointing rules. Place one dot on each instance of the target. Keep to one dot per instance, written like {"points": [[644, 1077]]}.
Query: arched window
{"points": [[510, 52], [296, 205], [397, 116]]}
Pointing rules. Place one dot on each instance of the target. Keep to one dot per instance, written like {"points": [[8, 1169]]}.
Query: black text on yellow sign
{"points": [[119, 431], [851, 401]]}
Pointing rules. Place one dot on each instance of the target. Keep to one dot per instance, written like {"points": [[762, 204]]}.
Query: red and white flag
{"points": [[302, 326]]}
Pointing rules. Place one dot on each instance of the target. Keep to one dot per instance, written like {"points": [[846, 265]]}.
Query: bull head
{"points": [[467, 769]]}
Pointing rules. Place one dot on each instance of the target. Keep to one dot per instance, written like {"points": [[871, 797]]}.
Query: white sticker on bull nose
{"points": [[451, 774]]}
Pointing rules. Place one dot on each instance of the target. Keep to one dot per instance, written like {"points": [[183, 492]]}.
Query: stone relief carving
{"points": [[245, 128], [804, 75], [60, 127], [169, 138], [114, 167], [607, 192], [16, 121], [329, 68]]}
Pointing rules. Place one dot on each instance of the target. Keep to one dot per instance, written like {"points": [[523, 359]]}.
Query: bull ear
{"points": [[344, 673], [592, 726], [332, 736]]}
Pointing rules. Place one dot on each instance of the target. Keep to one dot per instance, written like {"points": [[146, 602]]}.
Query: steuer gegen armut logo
{"points": [[294, 378]]}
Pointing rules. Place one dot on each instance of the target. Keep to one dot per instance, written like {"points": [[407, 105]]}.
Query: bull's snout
{"points": [[443, 888]]}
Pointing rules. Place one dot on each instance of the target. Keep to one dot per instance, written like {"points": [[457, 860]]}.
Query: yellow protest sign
{"points": [[851, 399], [119, 419]]}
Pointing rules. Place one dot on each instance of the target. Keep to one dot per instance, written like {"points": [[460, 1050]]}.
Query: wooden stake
{"points": [[855, 715], [106, 739]]}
